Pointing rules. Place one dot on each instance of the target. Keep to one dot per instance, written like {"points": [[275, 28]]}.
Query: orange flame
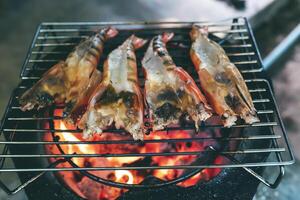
{"points": [[71, 148]]}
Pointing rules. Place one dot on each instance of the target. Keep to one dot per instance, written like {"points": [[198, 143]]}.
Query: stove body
{"points": [[231, 183]]}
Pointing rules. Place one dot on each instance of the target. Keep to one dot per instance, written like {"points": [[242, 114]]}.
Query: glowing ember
{"points": [[90, 189], [124, 175]]}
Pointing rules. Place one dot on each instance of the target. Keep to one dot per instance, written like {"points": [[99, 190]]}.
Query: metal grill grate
{"points": [[53, 41]]}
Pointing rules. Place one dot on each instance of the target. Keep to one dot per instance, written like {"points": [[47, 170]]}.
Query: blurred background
{"points": [[274, 23]]}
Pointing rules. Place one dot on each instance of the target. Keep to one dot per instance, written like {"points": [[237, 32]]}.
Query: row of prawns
{"points": [[95, 100]]}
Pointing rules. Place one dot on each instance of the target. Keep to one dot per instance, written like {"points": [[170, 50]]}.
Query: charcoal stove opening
{"points": [[156, 157]]}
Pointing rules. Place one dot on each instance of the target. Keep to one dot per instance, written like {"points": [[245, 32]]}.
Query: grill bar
{"points": [[53, 41], [258, 137], [210, 166], [89, 30], [140, 154], [65, 53], [121, 131]]}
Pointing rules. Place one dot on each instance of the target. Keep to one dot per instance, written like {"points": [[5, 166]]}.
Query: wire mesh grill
{"points": [[53, 41]]}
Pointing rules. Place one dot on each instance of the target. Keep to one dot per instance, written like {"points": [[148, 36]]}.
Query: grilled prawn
{"points": [[68, 80], [170, 92], [118, 97], [221, 81]]}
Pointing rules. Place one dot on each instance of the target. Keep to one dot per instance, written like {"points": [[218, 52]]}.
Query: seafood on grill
{"points": [[69, 81], [118, 98], [221, 81], [170, 92]]}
